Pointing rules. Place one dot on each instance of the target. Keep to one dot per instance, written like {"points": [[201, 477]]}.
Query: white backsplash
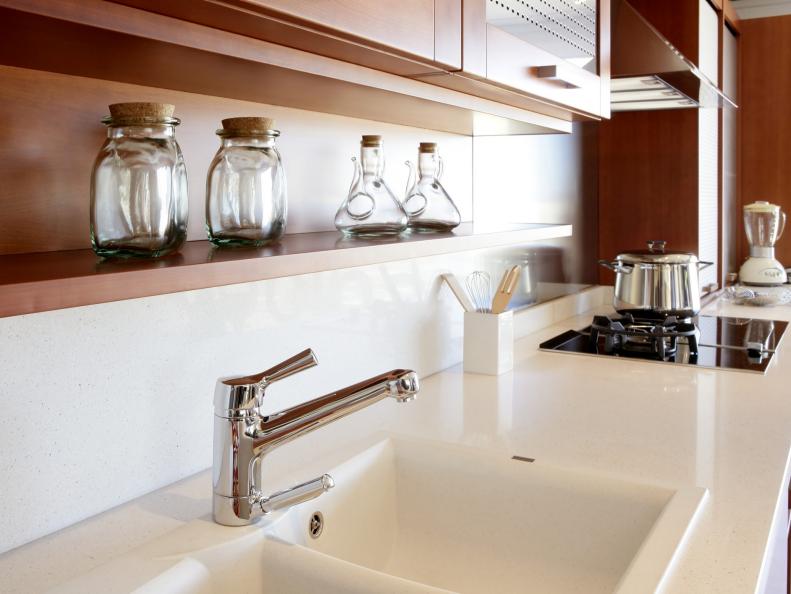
{"points": [[107, 402]]}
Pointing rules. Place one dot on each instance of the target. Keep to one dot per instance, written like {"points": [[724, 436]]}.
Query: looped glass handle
{"points": [[415, 199], [357, 208]]}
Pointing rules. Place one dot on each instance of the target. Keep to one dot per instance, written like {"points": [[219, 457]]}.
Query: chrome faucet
{"points": [[243, 435]]}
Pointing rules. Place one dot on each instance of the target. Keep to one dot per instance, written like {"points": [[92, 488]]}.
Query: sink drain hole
{"points": [[316, 525]]}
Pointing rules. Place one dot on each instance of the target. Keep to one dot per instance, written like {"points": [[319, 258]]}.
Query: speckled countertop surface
{"points": [[727, 431]]}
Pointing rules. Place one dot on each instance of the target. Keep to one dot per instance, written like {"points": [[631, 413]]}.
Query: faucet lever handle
{"points": [[299, 362], [236, 395]]}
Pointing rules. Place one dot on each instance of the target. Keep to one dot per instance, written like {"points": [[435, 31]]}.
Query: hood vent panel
{"points": [[649, 73]]}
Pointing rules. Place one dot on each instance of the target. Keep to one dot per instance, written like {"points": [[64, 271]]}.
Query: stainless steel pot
{"points": [[656, 283]]}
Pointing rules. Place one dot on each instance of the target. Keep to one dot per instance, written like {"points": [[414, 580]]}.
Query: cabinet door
{"points": [[549, 49], [407, 38], [407, 26]]}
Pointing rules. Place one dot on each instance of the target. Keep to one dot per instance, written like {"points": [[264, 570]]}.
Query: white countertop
{"points": [[673, 425]]}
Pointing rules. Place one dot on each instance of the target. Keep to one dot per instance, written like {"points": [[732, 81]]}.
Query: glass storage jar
{"points": [[427, 203], [370, 208], [246, 202], [139, 202]]}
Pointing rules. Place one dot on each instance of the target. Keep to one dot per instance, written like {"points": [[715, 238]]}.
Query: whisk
{"points": [[479, 286]]}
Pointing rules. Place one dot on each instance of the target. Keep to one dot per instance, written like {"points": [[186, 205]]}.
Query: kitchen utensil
{"points": [[139, 203], [479, 286], [370, 208], [656, 282], [506, 290], [763, 224], [427, 203], [759, 296], [246, 185], [458, 291]]}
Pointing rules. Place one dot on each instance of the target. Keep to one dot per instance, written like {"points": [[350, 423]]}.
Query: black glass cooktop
{"points": [[739, 344]]}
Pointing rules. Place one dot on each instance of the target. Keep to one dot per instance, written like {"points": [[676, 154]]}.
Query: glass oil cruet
{"points": [[139, 201], [427, 204], [371, 208]]}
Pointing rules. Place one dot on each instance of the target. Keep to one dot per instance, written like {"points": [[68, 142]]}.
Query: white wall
{"points": [[550, 178]]}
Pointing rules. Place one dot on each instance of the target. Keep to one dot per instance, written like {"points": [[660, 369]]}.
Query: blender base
{"points": [[763, 272]]}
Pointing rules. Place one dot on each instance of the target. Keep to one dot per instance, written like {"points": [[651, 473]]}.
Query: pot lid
{"points": [[657, 254]]}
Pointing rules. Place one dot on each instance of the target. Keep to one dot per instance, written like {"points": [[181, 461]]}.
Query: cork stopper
{"points": [[248, 125], [428, 147], [141, 111], [371, 140]]}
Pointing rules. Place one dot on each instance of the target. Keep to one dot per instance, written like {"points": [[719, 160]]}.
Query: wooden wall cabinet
{"points": [[449, 43], [503, 59], [414, 37], [516, 54]]}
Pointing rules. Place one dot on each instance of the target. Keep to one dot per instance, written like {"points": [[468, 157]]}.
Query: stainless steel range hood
{"points": [[648, 73]]}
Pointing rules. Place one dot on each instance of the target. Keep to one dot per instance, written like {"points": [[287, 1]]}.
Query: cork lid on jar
{"points": [[141, 112], [371, 140], [428, 147], [248, 126]]}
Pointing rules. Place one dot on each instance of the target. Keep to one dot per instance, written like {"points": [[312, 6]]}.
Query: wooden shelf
{"points": [[108, 41], [31, 283]]}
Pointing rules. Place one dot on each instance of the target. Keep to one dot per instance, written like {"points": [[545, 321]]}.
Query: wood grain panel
{"points": [[765, 46], [343, 36], [675, 19], [730, 16], [32, 283], [407, 25], [648, 182]]}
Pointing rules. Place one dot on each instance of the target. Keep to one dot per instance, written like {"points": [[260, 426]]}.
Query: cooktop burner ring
{"points": [[650, 338]]}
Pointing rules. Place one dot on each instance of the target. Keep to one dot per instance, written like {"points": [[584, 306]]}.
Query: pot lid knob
{"points": [[656, 246]]}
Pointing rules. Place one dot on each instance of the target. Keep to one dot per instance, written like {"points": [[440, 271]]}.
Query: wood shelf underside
{"points": [[31, 283]]}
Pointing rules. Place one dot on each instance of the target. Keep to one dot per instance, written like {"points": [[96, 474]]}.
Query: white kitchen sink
{"points": [[412, 516]]}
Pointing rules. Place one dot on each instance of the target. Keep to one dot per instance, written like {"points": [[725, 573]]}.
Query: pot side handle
{"points": [[616, 267]]}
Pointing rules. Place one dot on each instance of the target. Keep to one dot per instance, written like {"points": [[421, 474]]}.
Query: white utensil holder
{"points": [[488, 342]]}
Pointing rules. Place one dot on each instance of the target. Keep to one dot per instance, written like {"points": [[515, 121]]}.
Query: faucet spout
{"points": [[279, 428]]}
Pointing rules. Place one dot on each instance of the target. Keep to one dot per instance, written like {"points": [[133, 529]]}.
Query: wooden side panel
{"points": [[765, 123], [730, 16], [648, 182], [675, 19]]}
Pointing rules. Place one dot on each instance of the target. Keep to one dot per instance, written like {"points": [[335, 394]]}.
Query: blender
{"points": [[763, 224]]}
